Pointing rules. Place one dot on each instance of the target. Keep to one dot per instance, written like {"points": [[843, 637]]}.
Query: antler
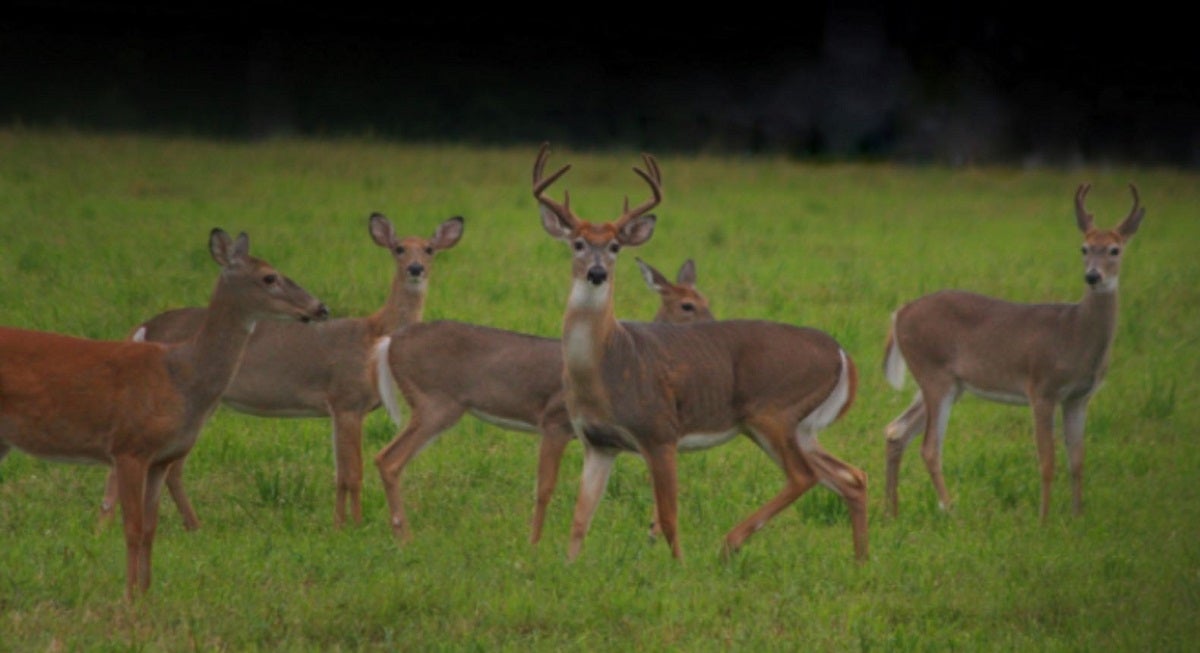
{"points": [[1137, 201], [1082, 217], [654, 178], [541, 183]]}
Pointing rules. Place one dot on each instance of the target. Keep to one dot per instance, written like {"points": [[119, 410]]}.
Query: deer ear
{"points": [[654, 279], [554, 224], [381, 230], [637, 231], [448, 233], [227, 251], [687, 274]]}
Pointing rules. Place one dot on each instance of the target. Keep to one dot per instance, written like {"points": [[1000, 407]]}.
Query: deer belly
{"points": [[698, 441], [998, 395], [504, 422]]}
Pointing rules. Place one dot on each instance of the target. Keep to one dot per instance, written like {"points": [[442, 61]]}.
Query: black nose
{"points": [[596, 275], [415, 270], [1092, 277]]}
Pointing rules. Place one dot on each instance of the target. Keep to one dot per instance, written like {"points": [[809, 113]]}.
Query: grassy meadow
{"points": [[102, 232]]}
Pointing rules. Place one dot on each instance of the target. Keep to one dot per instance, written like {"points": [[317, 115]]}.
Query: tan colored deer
{"points": [[1044, 355], [446, 369], [324, 371], [139, 406], [656, 389]]}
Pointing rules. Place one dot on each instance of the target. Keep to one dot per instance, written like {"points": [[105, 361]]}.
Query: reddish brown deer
{"points": [[655, 389], [447, 369], [324, 371], [137, 406], [1044, 355]]}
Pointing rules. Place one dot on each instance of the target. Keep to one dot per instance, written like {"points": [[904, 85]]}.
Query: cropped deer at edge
{"points": [[1044, 355], [656, 389], [139, 406], [324, 371], [512, 380]]}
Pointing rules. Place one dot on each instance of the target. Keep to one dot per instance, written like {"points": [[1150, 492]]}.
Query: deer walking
{"points": [[139, 406], [1044, 355], [327, 370], [657, 389], [446, 369]]}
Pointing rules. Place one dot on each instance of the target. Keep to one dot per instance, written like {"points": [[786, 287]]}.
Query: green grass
{"points": [[104, 231]]}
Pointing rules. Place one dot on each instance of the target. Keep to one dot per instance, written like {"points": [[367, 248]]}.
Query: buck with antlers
{"points": [[656, 389], [137, 406], [446, 369], [325, 371], [1044, 355]]}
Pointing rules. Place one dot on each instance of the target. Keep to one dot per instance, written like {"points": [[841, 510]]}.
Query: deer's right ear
{"points": [[381, 230], [554, 224], [227, 251], [448, 233], [653, 277], [687, 274]]}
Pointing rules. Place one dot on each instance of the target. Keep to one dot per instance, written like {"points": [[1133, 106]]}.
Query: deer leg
{"points": [[798, 475], [1074, 416], [425, 424], [556, 434], [848, 481], [597, 466], [898, 434], [347, 446], [131, 489], [1043, 429], [108, 502], [150, 501], [175, 486], [664, 474], [937, 409]]}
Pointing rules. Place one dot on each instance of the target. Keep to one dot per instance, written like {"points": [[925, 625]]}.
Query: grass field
{"points": [[105, 231]]}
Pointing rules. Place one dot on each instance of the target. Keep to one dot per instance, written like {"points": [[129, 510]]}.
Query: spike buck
{"points": [[136, 406], [290, 370], [657, 389], [1043, 355], [447, 369]]}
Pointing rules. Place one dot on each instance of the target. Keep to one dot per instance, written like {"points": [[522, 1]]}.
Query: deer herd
{"points": [[682, 382]]}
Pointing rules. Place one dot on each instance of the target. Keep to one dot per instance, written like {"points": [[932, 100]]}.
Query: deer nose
{"points": [[1092, 277], [596, 275], [415, 270]]}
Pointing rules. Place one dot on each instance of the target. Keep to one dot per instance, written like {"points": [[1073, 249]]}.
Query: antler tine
{"points": [[1137, 200], [541, 183], [654, 179]]}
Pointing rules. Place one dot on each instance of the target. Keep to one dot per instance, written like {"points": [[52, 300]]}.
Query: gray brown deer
{"points": [[326, 371], [1043, 355], [446, 369], [139, 406], [657, 389]]}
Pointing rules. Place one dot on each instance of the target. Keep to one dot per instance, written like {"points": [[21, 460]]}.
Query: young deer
{"points": [[139, 406], [1041, 354], [655, 389], [321, 371], [446, 369]]}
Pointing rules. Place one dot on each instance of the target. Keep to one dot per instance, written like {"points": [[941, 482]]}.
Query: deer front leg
{"points": [[664, 475], [597, 466], [175, 486], [556, 435], [1043, 430], [150, 502], [347, 444], [1074, 416], [131, 490]]}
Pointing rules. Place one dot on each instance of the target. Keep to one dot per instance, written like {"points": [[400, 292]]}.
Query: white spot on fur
{"points": [[698, 441], [385, 384], [894, 366], [578, 345], [830, 408], [139, 335], [586, 295]]}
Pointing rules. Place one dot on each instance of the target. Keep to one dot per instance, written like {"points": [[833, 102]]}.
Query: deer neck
{"points": [[405, 305], [589, 328], [204, 366]]}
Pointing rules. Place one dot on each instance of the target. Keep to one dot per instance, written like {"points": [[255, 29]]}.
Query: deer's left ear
{"points": [[654, 279], [637, 231], [448, 233], [381, 230]]}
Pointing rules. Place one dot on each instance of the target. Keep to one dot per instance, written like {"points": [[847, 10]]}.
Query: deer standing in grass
{"points": [[657, 389], [1044, 355], [326, 370], [446, 369], [137, 406]]}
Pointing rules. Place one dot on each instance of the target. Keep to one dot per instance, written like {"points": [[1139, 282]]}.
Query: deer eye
{"points": [[1084, 250], [429, 250], [270, 279], [399, 249], [1114, 251], [688, 306], [614, 248], [578, 245]]}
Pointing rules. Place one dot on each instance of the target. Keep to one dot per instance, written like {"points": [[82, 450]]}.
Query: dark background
{"points": [[899, 81]]}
